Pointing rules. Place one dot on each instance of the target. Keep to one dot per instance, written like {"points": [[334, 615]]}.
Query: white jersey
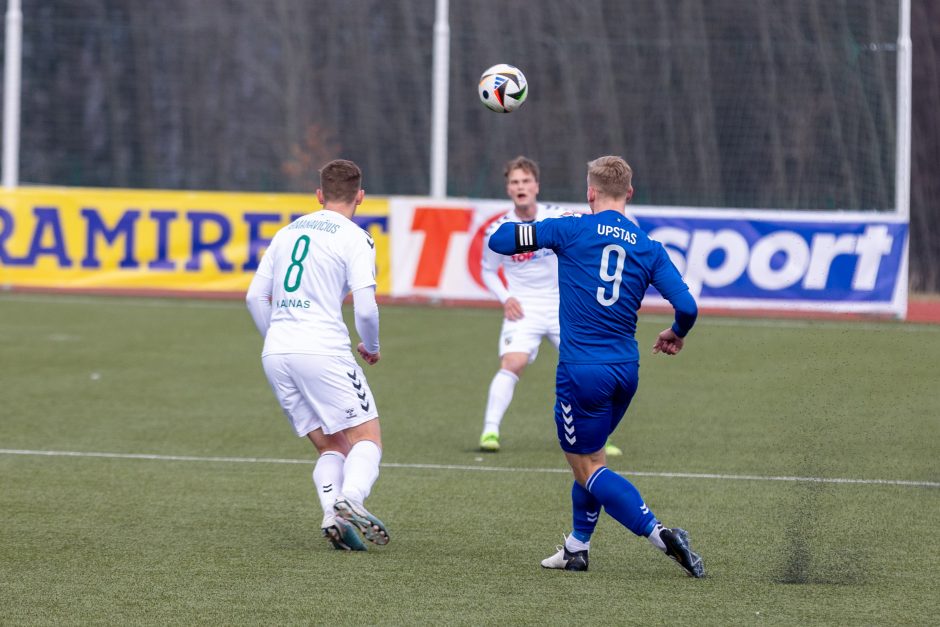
{"points": [[312, 263], [532, 277]]}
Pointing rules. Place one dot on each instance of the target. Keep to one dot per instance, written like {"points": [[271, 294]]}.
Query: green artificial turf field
{"points": [[174, 491]]}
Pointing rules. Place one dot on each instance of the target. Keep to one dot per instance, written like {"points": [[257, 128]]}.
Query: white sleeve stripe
{"points": [[525, 238]]}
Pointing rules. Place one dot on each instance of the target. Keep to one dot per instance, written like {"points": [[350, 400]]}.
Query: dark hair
{"points": [[340, 180]]}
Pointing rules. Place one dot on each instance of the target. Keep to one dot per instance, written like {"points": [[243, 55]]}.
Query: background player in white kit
{"points": [[295, 299], [530, 304]]}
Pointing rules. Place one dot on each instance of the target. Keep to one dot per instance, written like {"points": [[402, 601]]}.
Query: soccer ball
{"points": [[503, 88]]}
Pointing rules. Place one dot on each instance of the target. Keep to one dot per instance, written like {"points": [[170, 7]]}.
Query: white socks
{"points": [[328, 481], [501, 389], [361, 470], [574, 545], [655, 540], [351, 476]]}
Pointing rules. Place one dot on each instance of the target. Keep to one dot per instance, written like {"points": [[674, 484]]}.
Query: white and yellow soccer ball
{"points": [[503, 88]]}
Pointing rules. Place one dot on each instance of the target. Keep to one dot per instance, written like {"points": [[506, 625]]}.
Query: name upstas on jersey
{"points": [[615, 231]]}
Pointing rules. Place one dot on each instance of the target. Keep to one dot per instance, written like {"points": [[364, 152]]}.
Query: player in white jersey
{"points": [[530, 303], [295, 300]]}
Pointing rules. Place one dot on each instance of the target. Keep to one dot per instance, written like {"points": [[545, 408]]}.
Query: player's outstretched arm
{"points": [[513, 238], [503, 239]]}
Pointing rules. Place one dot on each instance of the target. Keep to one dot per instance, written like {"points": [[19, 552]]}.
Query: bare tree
{"points": [[763, 104]]}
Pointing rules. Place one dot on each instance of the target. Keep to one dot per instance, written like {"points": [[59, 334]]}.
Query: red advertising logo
{"points": [[475, 254], [439, 224]]}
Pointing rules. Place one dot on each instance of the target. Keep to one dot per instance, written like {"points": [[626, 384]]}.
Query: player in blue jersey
{"points": [[605, 265], [529, 297]]}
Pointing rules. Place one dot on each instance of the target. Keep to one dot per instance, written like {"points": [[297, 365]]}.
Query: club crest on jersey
{"points": [[350, 413]]}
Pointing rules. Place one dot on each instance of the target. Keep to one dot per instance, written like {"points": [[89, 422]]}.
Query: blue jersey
{"points": [[605, 265]]}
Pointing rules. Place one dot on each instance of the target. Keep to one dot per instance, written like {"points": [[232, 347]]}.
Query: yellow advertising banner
{"points": [[153, 240]]}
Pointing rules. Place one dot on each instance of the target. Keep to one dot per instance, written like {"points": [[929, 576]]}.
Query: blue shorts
{"points": [[590, 400]]}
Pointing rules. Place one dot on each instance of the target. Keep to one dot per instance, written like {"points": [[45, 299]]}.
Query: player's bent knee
{"points": [[585, 465], [324, 442], [514, 362]]}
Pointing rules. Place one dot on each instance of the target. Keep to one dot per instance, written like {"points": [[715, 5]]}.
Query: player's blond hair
{"points": [[611, 176], [340, 181], [522, 163]]}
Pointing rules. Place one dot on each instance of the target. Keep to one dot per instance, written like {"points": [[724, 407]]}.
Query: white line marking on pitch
{"points": [[668, 475], [722, 320]]}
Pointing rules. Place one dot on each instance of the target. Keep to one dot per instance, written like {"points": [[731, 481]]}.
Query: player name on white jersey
{"points": [[313, 263]]}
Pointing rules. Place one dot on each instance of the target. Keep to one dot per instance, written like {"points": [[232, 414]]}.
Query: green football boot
{"points": [[489, 442]]}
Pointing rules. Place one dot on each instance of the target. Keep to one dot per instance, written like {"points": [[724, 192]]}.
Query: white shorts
{"points": [[326, 392], [524, 336]]}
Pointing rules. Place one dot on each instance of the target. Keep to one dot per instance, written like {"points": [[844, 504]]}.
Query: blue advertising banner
{"points": [[786, 260]]}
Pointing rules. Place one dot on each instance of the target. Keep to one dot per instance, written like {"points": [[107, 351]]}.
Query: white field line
{"points": [[668, 475], [725, 320]]}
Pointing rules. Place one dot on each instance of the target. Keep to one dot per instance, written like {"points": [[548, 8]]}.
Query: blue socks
{"points": [[619, 497], [585, 510]]}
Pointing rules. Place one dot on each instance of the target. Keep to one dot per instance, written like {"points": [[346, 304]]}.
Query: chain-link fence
{"points": [[721, 103]]}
